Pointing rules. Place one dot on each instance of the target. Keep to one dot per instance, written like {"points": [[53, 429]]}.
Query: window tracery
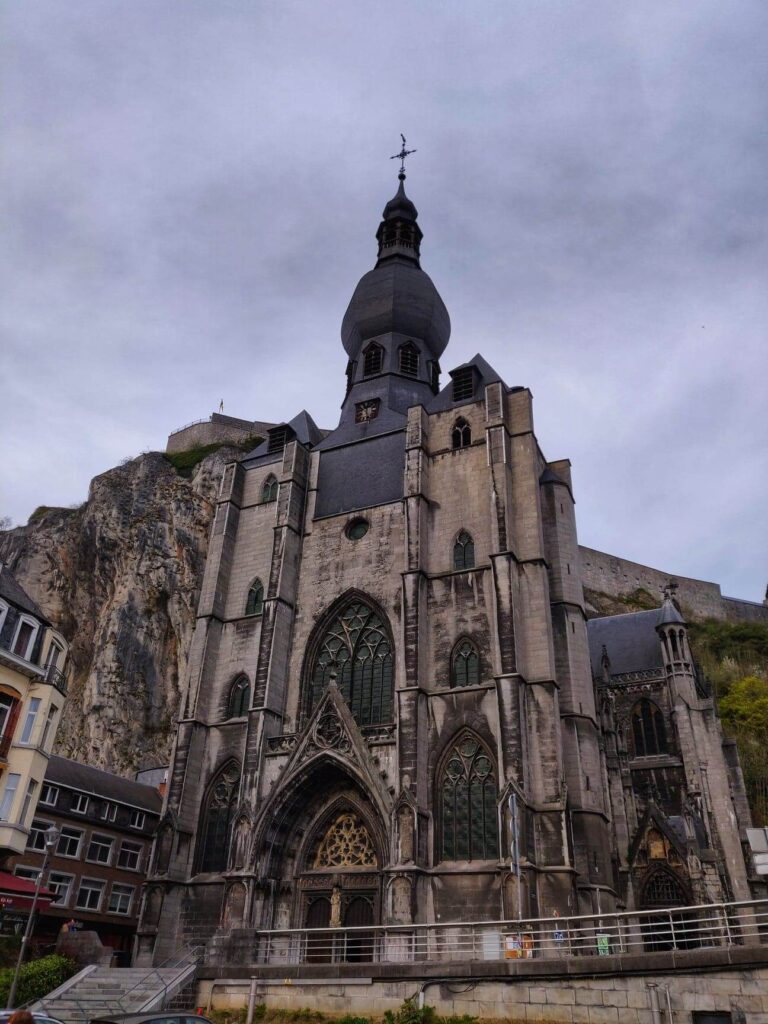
{"points": [[465, 664], [464, 551], [239, 698], [648, 731], [461, 435], [347, 843], [218, 818], [356, 654], [254, 604], [468, 795], [269, 489]]}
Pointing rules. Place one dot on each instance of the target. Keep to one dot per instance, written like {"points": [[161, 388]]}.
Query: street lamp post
{"points": [[51, 838]]}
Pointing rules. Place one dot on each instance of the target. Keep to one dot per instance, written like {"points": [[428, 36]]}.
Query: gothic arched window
{"points": [[239, 698], [663, 890], [218, 815], [373, 360], [269, 490], [465, 664], [648, 732], [464, 551], [467, 802], [461, 435], [254, 604], [408, 359], [356, 654]]}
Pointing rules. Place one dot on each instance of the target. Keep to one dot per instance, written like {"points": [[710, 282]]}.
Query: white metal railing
{"points": [[714, 925]]}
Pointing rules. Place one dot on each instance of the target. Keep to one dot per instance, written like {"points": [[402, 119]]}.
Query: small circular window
{"points": [[357, 529]]}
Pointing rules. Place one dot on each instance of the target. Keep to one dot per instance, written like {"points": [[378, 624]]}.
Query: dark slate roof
{"points": [[669, 614], [396, 297], [631, 640], [15, 593], [305, 430], [64, 772], [485, 375]]}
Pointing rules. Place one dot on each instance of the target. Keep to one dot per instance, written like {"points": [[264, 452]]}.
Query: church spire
{"points": [[399, 235]]}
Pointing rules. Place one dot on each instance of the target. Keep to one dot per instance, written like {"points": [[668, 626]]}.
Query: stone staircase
{"points": [[105, 991]]}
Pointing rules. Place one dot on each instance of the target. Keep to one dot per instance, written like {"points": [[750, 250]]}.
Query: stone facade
{"points": [[390, 676]]}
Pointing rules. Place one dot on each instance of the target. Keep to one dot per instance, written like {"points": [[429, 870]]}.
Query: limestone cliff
{"points": [[120, 576]]}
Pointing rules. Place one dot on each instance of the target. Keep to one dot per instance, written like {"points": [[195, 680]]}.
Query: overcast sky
{"points": [[191, 191]]}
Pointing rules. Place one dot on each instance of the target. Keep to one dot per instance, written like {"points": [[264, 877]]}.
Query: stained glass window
{"points": [[461, 436], [269, 490], [239, 697], [465, 664], [648, 732], [218, 816], [464, 551], [468, 803], [254, 604], [356, 654]]}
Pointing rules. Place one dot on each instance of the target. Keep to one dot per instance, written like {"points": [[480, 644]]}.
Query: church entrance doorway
{"points": [[340, 889]]}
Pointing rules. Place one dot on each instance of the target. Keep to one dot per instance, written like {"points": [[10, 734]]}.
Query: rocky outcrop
{"points": [[120, 577]]}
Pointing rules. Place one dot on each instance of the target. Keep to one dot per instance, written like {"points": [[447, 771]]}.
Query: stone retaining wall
{"points": [[582, 994]]}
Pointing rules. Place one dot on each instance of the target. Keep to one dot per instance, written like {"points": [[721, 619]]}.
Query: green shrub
{"points": [[37, 978], [185, 462], [409, 1012]]}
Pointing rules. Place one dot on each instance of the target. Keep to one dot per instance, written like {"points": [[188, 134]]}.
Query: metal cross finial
{"points": [[401, 157]]}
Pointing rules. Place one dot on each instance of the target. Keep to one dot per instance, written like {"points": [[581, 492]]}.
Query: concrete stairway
{"points": [[104, 991]]}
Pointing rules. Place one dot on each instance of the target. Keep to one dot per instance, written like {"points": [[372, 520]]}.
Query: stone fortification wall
{"points": [[626, 998], [219, 429], [621, 579]]}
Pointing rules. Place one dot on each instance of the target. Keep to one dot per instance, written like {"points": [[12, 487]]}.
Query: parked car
{"points": [[158, 1017], [39, 1018]]}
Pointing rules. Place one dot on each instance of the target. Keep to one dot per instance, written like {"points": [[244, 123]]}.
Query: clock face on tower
{"points": [[367, 411]]}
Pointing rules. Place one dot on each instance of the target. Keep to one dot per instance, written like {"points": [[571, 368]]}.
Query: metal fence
{"points": [[714, 925]]}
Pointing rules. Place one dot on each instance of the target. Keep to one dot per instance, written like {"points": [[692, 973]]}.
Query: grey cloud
{"points": [[192, 189]]}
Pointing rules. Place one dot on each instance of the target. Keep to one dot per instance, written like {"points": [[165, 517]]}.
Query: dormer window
{"points": [[373, 360], [463, 384], [24, 638], [278, 438], [409, 359]]}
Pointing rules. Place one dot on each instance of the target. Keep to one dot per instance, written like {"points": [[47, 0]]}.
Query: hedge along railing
{"points": [[675, 928]]}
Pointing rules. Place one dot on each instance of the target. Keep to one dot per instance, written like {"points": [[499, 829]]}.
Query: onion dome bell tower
{"points": [[396, 323]]}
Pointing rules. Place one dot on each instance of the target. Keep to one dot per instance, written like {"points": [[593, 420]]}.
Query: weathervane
{"points": [[401, 157]]}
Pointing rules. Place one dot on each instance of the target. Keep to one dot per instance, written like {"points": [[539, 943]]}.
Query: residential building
{"points": [[106, 824], [33, 687]]}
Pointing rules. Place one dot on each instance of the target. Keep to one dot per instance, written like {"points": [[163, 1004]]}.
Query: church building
{"points": [[396, 710]]}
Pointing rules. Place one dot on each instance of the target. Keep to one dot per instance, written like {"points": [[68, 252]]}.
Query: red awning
{"points": [[17, 893]]}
